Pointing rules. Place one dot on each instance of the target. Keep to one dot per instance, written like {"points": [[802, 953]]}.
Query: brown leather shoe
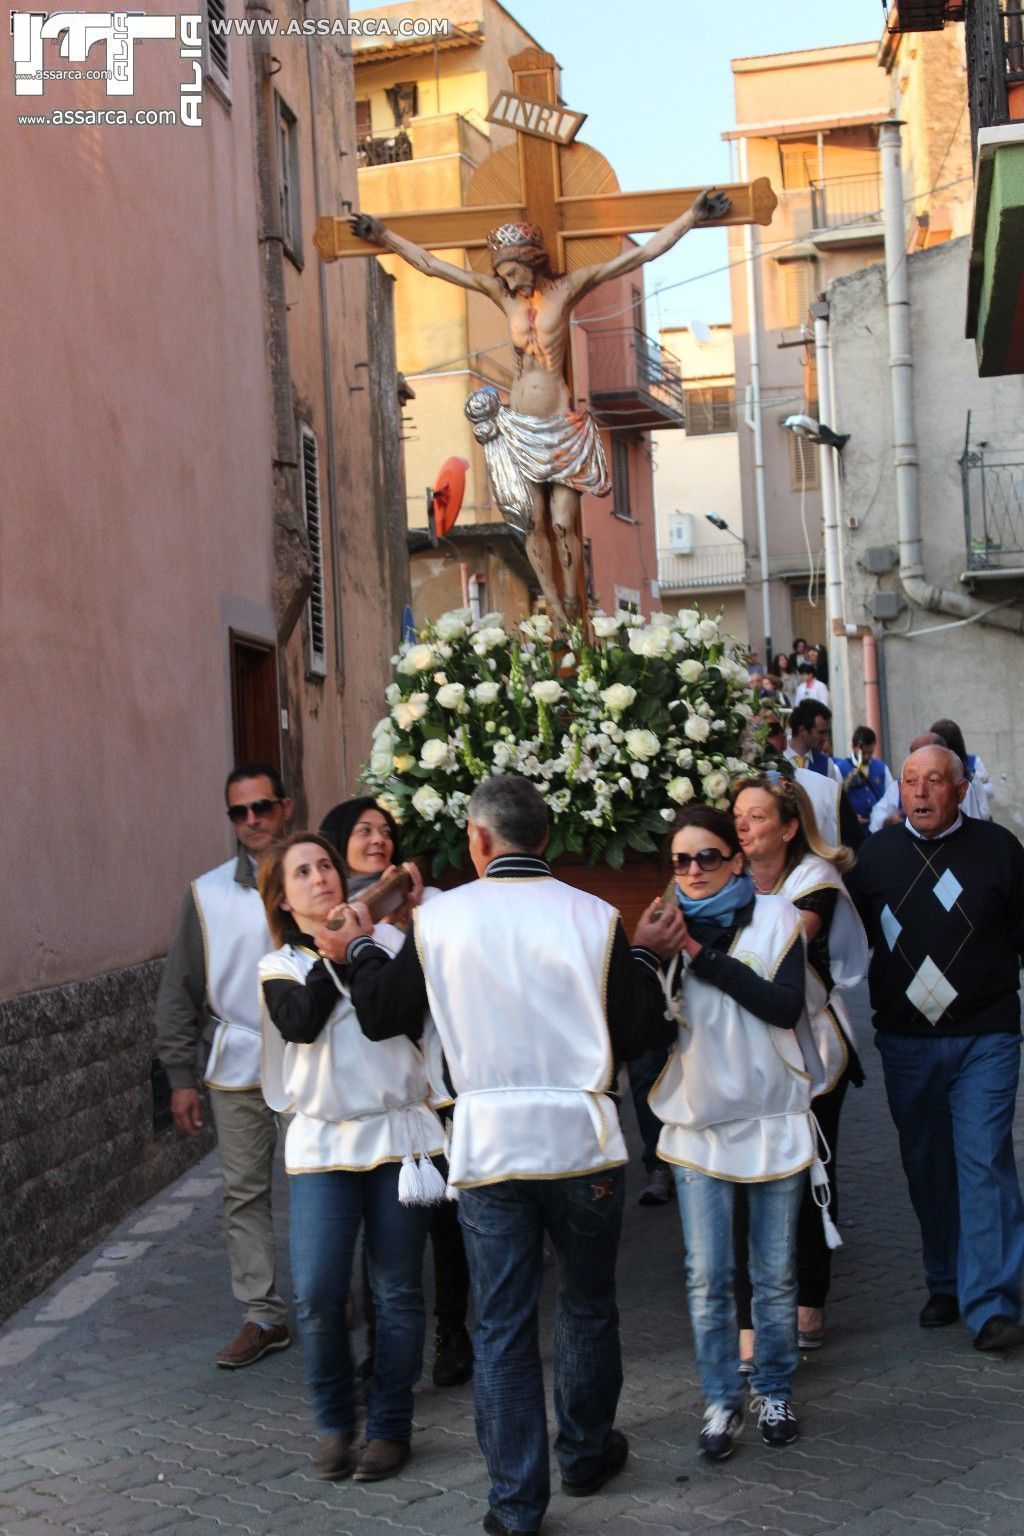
{"points": [[252, 1343], [335, 1457], [379, 1459]]}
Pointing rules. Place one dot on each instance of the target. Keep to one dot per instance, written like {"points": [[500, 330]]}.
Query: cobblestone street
{"points": [[114, 1420]]}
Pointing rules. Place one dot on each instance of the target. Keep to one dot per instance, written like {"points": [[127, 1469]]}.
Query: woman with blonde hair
{"points": [[787, 856], [358, 1153]]}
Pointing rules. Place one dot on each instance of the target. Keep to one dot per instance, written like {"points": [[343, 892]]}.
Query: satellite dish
{"points": [[701, 332], [449, 488]]}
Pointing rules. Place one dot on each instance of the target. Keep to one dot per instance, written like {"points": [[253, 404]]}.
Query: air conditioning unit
{"points": [[680, 533]]}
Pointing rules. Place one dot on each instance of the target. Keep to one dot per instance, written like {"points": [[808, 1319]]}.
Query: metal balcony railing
{"points": [[713, 565], [993, 487], [846, 200], [384, 149], [994, 35], [631, 374]]}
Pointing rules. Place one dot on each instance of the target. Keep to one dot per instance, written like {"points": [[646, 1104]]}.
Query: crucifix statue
{"points": [[542, 450]]}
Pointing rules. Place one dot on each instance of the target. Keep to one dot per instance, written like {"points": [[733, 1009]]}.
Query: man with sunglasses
{"points": [[210, 976]]}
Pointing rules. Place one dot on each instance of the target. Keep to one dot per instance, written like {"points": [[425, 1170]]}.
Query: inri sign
{"points": [[557, 124]]}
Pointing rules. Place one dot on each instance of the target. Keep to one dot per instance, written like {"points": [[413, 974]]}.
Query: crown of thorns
{"points": [[514, 238]]}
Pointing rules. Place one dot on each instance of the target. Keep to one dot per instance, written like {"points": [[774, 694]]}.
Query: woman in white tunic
{"points": [[734, 1100], [361, 1118], [787, 856]]}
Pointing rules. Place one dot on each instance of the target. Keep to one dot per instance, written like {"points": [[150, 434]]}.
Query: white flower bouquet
{"points": [[616, 734]]}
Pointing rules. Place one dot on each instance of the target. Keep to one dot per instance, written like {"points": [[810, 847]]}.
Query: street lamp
{"points": [[806, 426], [720, 522]]}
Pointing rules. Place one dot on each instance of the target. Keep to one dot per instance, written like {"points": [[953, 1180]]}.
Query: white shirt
{"points": [[815, 689]]}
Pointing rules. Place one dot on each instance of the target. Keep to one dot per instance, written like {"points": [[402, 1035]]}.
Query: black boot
{"points": [[453, 1356]]}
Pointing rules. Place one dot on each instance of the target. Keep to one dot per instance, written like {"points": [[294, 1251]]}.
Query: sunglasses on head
{"points": [[259, 808], [707, 860]]}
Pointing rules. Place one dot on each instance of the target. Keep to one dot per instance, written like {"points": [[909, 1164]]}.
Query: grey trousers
{"points": [[246, 1136]]}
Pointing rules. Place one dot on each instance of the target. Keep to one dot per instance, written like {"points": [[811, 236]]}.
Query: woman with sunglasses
{"points": [[361, 1118], [787, 856], [734, 1100], [366, 836]]}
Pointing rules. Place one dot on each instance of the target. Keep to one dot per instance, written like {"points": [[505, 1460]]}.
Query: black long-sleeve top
{"points": [[390, 996], [779, 1001]]}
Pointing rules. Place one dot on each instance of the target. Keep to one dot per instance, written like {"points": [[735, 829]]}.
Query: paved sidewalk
{"points": [[113, 1418]]}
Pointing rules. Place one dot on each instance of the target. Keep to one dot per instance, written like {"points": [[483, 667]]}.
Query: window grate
{"points": [[315, 609]]}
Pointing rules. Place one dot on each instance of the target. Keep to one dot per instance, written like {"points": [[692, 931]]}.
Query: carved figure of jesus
{"points": [[542, 453]]}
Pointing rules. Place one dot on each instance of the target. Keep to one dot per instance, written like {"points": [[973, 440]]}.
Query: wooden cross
{"points": [[567, 189]]}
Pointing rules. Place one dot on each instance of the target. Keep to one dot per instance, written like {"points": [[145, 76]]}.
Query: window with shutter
{"points": [[803, 463], [796, 291], [288, 180], [216, 59], [316, 619], [620, 477], [364, 118]]}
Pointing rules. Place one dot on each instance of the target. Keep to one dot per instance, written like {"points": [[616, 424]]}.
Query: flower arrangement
{"points": [[616, 734]]}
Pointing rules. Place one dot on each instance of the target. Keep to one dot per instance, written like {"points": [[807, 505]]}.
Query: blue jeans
{"points": [[503, 1226], [706, 1208], [952, 1100], [327, 1211], [643, 1074]]}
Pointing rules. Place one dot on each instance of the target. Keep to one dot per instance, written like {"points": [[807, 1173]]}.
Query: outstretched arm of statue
{"points": [[710, 205], [367, 228]]}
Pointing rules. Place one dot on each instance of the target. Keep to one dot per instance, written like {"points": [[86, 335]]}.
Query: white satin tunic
{"points": [[530, 1057], [735, 1094], [356, 1102], [235, 937]]}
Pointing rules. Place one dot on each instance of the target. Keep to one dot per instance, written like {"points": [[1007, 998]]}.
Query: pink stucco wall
{"points": [[136, 517]]}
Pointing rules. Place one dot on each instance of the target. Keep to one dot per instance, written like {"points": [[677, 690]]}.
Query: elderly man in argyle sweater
{"points": [[942, 898]]}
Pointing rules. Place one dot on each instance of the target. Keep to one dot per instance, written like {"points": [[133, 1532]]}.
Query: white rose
{"points": [[691, 671], [486, 693], [433, 753], [419, 658], [440, 678], [381, 763], [627, 616], [403, 762], [427, 802], [661, 620], [409, 710], [686, 618], [715, 786], [744, 710], [388, 803], [685, 758], [486, 639], [392, 693], [451, 695], [618, 697], [708, 630], [604, 627], [452, 626], [639, 770], [642, 744], [703, 767], [625, 785], [547, 692], [666, 815], [655, 642], [680, 790], [589, 685], [537, 628], [697, 728]]}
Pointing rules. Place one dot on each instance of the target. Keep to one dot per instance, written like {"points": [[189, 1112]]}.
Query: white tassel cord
{"points": [[410, 1185], [821, 1194], [419, 1182]]}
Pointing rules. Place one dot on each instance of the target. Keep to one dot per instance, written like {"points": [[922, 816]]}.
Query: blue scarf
{"points": [[719, 910]]}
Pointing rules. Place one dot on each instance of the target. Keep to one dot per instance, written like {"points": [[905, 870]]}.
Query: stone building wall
{"points": [[77, 1143]]}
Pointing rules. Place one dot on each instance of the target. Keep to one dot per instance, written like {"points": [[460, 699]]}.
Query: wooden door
{"points": [[255, 718]]}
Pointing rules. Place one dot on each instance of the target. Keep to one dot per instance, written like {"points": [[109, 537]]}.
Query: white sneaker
{"points": [[775, 1419], [722, 1428]]}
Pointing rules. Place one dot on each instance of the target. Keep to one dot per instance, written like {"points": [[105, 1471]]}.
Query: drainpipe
{"points": [[835, 604], [753, 415], [917, 589]]}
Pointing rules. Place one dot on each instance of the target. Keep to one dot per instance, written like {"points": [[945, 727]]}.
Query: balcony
{"points": [[635, 385], [721, 566], [993, 489], [923, 15], [384, 149], [846, 211]]}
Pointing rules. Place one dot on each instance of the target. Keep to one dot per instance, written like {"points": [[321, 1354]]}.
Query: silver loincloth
{"points": [[522, 451]]}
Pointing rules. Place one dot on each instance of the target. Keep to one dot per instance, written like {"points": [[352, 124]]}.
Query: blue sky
{"points": [[654, 79]]}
